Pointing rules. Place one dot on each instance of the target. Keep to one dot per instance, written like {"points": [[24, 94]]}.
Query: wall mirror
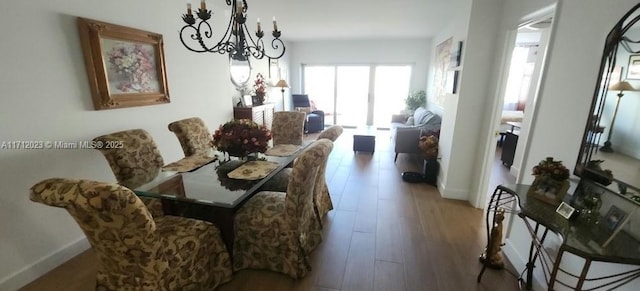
{"points": [[239, 69], [610, 150]]}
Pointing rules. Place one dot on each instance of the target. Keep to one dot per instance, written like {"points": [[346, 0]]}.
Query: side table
{"points": [[578, 238]]}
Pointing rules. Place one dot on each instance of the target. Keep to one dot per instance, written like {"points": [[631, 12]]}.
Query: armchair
{"points": [[315, 118]]}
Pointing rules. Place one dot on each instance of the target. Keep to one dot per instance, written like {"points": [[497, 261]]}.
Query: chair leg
{"points": [[396, 158]]}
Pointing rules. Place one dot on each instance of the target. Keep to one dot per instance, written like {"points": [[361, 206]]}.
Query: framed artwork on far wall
{"points": [[274, 70], [633, 70], [125, 66], [442, 59]]}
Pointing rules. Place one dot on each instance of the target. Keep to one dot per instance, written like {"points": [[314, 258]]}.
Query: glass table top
{"points": [[580, 237], [209, 184]]}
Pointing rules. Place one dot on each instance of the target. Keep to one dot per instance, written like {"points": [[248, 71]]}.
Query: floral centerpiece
{"points": [[551, 182], [241, 137], [260, 87]]}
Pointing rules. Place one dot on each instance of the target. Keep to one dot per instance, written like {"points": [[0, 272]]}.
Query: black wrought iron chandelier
{"points": [[237, 41]]}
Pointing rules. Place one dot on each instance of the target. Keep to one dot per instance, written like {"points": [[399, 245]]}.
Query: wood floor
{"points": [[383, 234]]}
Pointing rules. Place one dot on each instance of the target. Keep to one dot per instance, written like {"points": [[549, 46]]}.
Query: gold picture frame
{"points": [[125, 66]]}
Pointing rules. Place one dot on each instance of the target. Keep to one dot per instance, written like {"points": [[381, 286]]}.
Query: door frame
{"points": [[498, 100]]}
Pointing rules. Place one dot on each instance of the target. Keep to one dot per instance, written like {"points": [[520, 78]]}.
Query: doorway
{"points": [[357, 95], [518, 91]]}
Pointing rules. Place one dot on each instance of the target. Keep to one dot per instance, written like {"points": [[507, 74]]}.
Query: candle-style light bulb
{"points": [[188, 8], [275, 24], [203, 5], [239, 7]]}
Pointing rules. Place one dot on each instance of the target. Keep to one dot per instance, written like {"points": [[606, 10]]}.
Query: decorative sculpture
{"points": [[492, 254]]}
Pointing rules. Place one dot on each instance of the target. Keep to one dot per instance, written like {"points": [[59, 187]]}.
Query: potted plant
{"points": [[552, 181], [415, 100]]}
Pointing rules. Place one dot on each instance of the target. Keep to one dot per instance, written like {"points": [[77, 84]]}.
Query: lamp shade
{"points": [[282, 84], [622, 86]]}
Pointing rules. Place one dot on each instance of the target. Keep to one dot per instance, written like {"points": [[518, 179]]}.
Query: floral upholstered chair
{"points": [[288, 127], [136, 251], [134, 159], [193, 134], [321, 199], [277, 230], [332, 133]]}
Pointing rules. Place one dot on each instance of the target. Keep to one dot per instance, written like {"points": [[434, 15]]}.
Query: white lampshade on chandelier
{"points": [[237, 41]]}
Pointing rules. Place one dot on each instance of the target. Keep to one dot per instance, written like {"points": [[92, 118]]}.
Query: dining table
{"points": [[215, 190]]}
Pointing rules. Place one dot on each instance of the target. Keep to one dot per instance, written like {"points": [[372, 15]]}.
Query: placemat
{"points": [[253, 170], [189, 163], [282, 150]]}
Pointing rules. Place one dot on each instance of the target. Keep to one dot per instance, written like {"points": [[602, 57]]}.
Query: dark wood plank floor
{"points": [[383, 234]]}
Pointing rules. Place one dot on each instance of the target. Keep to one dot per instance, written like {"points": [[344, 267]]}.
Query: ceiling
{"points": [[305, 20]]}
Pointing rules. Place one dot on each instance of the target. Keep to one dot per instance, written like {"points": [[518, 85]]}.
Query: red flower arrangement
{"points": [[552, 169], [241, 137], [260, 85]]}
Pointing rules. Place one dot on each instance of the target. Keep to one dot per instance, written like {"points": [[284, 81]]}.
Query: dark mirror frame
{"points": [[585, 166]]}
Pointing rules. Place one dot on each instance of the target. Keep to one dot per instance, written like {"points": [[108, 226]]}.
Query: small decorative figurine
{"points": [[493, 252]]}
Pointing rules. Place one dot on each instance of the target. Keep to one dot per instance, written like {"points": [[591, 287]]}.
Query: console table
{"points": [[579, 238], [260, 114]]}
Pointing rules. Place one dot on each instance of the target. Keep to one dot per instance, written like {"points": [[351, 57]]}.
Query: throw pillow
{"points": [[433, 124], [419, 115], [410, 121]]}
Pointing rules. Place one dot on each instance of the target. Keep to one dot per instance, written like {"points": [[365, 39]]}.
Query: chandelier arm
{"points": [[275, 44], [193, 36], [256, 49], [208, 33]]}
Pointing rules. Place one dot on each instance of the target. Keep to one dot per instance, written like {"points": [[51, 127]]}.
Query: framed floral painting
{"points": [[125, 66]]}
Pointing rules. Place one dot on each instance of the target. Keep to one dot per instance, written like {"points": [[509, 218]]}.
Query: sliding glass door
{"points": [[319, 84], [352, 95], [390, 90], [357, 95]]}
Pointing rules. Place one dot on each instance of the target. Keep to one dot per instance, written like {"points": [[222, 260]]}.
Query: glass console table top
{"points": [[209, 184], [581, 238]]}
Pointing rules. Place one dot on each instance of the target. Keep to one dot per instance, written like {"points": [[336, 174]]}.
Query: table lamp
{"points": [[282, 84], [620, 86]]}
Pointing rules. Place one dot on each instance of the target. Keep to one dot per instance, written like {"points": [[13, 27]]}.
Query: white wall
{"points": [[46, 97], [414, 52], [464, 123]]}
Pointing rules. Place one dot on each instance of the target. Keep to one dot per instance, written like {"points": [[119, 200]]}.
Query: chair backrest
{"points": [[193, 135], [300, 100], [332, 133], [301, 188], [288, 127], [117, 224], [133, 156]]}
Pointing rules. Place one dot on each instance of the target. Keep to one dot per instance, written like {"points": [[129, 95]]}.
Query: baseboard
{"points": [[457, 194], [518, 262], [514, 171], [45, 264]]}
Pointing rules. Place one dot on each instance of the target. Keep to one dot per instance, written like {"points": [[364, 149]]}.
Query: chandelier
{"points": [[237, 41]]}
